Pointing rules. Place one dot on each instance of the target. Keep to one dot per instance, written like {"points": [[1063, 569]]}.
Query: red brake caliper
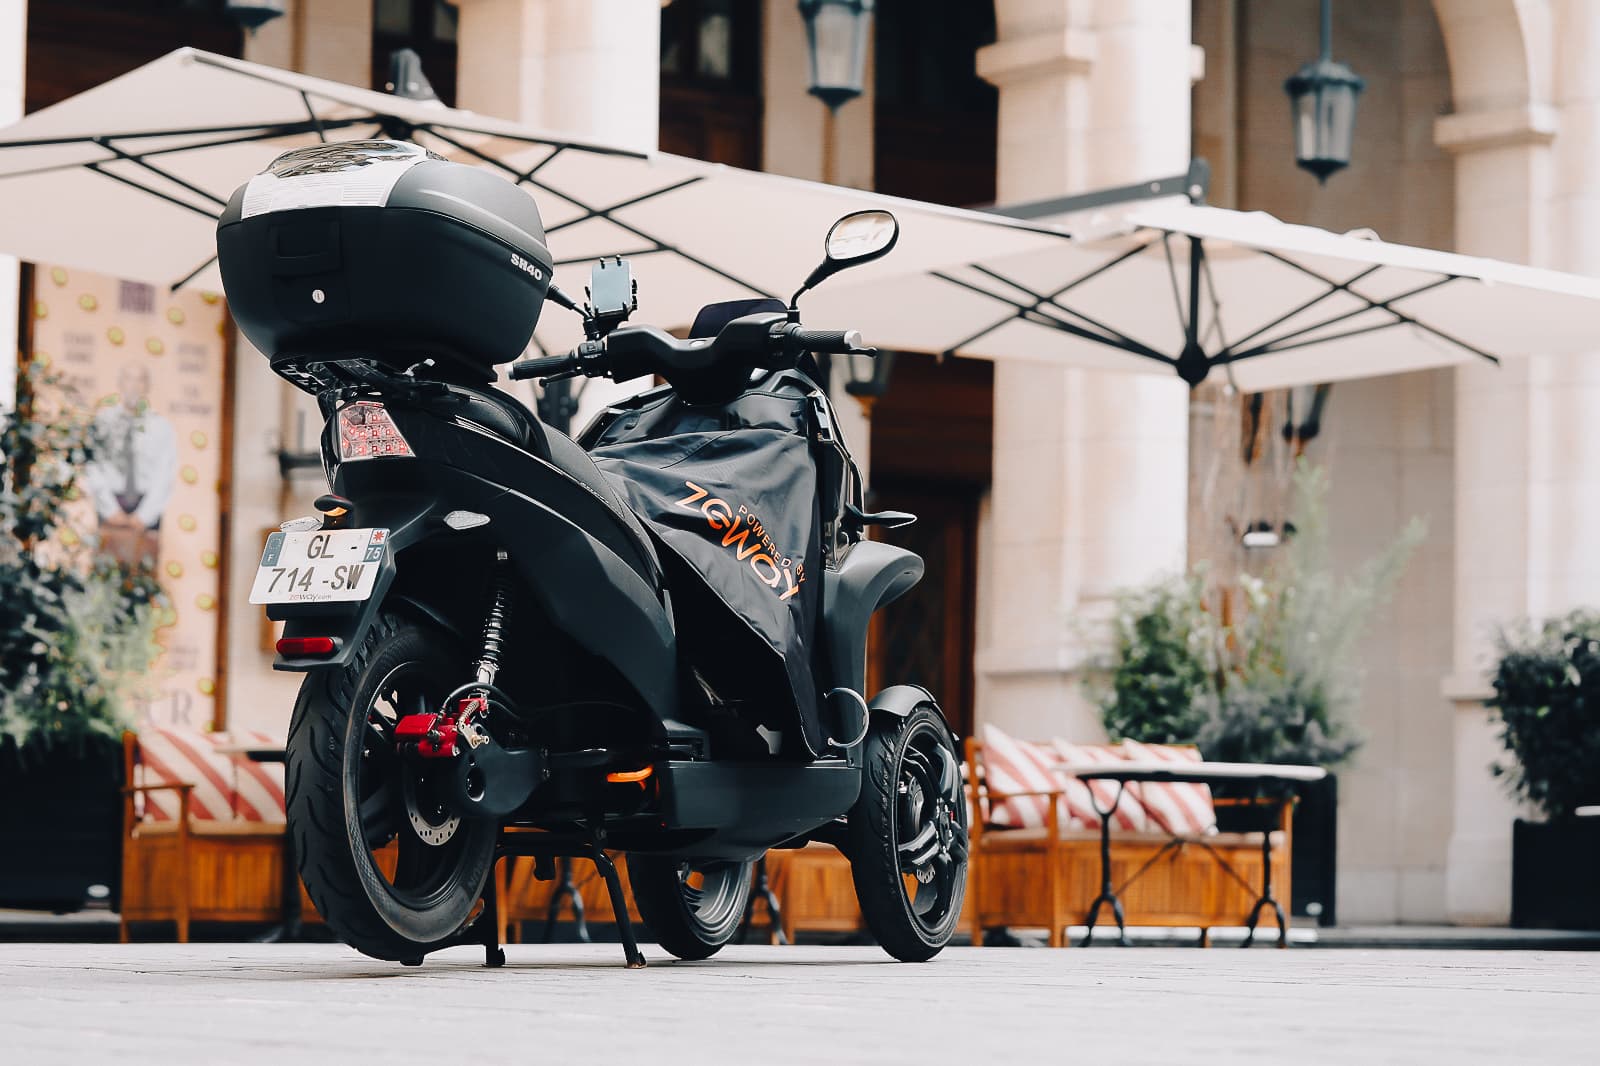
{"points": [[438, 736]]}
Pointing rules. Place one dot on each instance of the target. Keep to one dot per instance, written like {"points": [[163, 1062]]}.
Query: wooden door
{"points": [[926, 637]]}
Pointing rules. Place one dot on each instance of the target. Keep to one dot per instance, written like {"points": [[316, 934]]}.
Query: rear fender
{"points": [[585, 589]]}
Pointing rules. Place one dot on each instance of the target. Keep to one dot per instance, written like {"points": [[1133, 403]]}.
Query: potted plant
{"points": [[1273, 680], [1547, 701], [76, 636]]}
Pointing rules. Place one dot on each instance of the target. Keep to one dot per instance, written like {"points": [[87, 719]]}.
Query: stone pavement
{"points": [[310, 1003]]}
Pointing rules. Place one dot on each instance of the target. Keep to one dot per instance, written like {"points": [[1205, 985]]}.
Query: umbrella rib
{"points": [[1275, 344], [1333, 287], [180, 283], [1274, 347], [311, 113], [1040, 300], [1040, 317], [157, 193], [580, 205], [605, 212], [1054, 296], [1172, 273], [152, 168]]}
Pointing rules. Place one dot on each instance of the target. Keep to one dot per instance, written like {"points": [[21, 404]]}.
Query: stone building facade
{"points": [[1479, 132]]}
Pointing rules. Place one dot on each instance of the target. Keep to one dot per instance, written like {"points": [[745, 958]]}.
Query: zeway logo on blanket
{"points": [[770, 566]]}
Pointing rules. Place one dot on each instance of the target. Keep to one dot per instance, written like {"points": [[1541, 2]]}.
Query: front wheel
{"points": [[390, 869], [908, 835], [692, 908]]}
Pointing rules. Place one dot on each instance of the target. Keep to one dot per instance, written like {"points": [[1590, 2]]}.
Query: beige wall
{"points": [[1388, 442], [330, 39], [13, 38]]}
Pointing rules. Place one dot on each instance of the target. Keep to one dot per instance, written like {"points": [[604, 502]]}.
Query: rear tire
{"points": [[349, 795], [908, 834], [692, 908]]}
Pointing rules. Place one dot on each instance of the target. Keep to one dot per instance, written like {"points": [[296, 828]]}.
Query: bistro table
{"points": [[1273, 785], [289, 929]]}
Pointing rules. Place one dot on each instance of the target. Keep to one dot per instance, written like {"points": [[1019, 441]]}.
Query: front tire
{"points": [[908, 834], [389, 870], [692, 908]]}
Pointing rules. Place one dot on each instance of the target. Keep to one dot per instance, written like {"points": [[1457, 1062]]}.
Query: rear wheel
{"points": [[389, 868], [908, 835], [692, 908]]}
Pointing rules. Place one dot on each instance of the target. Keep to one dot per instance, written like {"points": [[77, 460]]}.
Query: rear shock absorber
{"points": [[494, 625]]}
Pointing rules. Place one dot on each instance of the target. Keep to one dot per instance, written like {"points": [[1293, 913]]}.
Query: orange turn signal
{"points": [[622, 777]]}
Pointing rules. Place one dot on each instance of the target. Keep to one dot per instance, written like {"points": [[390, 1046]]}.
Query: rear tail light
{"points": [[367, 432], [298, 647]]}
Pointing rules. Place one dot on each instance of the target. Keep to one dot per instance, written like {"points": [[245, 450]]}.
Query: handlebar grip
{"points": [[829, 341], [543, 367]]}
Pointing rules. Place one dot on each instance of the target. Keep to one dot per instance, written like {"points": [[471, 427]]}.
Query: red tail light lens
{"points": [[296, 647], [367, 432]]}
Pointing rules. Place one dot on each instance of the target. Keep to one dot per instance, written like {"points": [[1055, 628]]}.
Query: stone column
{"points": [[13, 41], [586, 67], [590, 68], [1090, 468], [1525, 505]]}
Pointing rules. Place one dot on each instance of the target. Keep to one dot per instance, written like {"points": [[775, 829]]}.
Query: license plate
{"points": [[320, 566]]}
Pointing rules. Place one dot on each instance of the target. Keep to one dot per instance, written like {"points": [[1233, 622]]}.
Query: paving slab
{"points": [[309, 1003]]}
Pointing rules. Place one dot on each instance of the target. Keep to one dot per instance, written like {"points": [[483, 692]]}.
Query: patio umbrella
{"points": [[1278, 304], [128, 178]]}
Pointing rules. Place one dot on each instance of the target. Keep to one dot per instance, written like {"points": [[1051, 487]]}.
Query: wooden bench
{"points": [[1048, 877], [196, 847]]}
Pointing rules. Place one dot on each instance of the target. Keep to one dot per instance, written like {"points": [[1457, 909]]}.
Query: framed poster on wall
{"points": [[150, 368]]}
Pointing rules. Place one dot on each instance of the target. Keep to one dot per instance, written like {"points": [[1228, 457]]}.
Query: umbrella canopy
{"points": [[1278, 304], [128, 178]]}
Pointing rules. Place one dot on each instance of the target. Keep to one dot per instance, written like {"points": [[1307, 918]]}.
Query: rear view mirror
{"points": [[859, 237]]}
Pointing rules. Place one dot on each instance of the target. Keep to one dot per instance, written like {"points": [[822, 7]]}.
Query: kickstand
{"points": [[494, 956], [619, 903]]}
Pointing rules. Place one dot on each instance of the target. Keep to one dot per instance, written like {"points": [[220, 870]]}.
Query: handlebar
{"points": [[544, 367], [828, 342], [759, 340]]}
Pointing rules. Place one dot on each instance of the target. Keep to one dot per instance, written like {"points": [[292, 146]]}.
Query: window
{"points": [[427, 27]]}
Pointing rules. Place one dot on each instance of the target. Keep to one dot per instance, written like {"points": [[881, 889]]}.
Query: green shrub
{"points": [[76, 638], [1162, 663], [1547, 700], [1277, 685]]}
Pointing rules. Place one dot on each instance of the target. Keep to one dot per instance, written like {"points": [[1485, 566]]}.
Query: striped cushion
{"points": [[258, 795], [1181, 808], [179, 756], [226, 786], [1012, 765], [1130, 813]]}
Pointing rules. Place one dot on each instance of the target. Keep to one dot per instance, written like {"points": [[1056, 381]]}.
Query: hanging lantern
{"points": [[1322, 102], [837, 32], [252, 13]]}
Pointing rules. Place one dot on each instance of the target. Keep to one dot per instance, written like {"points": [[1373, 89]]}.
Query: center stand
{"points": [[544, 847]]}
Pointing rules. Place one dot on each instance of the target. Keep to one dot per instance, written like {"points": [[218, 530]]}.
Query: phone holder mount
{"points": [[613, 294]]}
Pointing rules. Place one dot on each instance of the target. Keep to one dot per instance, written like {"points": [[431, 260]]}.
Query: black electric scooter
{"points": [[502, 659]]}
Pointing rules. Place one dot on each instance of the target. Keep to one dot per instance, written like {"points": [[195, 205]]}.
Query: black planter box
{"points": [[1555, 874], [60, 826], [1313, 849]]}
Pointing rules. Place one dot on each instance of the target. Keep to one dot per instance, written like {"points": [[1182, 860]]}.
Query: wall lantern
{"points": [[1322, 102], [252, 13], [837, 32]]}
